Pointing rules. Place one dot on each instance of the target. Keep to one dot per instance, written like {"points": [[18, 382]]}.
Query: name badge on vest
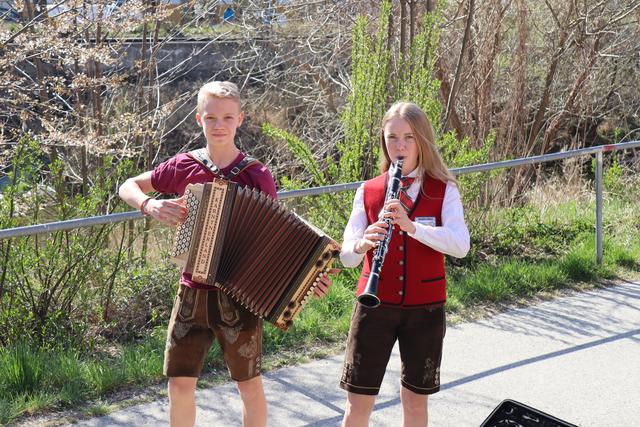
{"points": [[426, 220]]}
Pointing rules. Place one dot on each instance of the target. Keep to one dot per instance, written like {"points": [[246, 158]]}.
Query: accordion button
{"points": [[400, 248], [401, 277], [401, 262], [400, 292]]}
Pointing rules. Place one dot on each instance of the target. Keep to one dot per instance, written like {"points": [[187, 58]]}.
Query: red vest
{"points": [[413, 273]]}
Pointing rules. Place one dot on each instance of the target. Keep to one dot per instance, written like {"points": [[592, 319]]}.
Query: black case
{"points": [[515, 414]]}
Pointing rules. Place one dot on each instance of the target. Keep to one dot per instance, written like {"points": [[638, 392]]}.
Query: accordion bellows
{"points": [[247, 244]]}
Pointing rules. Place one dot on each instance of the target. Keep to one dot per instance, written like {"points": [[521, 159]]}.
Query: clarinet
{"points": [[369, 296]]}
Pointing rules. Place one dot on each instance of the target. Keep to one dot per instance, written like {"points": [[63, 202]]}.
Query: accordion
{"points": [[244, 242]]}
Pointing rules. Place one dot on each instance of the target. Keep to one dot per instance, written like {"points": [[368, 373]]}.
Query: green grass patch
{"points": [[36, 380], [98, 410], [505, 281]]}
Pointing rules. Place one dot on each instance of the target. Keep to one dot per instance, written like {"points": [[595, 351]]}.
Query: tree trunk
{"points": [[413, 18], [451, 99], [153, 81], [569, 104], [403, 28], [539, 119], [454, 121], [97, 88]]}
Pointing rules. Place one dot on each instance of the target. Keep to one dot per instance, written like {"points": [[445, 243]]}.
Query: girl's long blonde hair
{"points": [[429, 158]]}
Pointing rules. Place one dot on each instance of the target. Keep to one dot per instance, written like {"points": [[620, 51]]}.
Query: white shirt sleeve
{"points": [[451, 238], [354, 231]]}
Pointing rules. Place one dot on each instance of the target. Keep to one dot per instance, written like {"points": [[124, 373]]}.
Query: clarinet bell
{"points": [[368, 297], [369, 300]]}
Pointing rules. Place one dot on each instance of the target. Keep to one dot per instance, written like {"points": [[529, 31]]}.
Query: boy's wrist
{"points": [[143, 206]]}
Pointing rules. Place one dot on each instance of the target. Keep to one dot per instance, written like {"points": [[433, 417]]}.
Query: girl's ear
{"points": [[240, 118], [199, 119]]}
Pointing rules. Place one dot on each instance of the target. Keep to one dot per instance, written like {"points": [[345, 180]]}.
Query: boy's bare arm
{"points": [[168, 211], [134, 190]]}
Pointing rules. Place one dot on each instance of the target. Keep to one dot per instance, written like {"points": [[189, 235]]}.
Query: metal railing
{"points": [[132, 215]]}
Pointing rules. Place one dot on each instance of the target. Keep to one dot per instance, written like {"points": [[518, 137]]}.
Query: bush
{"points": [[67, 287]]}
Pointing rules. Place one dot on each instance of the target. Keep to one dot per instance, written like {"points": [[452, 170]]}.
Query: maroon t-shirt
{"points": [[173, 176]]}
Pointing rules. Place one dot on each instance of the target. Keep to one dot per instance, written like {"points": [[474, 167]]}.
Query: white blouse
{"points": [[451, 238]]}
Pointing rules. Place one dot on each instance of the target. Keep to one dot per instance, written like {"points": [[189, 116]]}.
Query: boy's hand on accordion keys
{"points": [[373, 234], [325, 282], [169, 212]]}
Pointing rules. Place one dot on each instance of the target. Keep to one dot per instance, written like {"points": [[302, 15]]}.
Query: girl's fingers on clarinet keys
{"points": [[364, 244], [376, 229], [374, 236], [391, 202]]}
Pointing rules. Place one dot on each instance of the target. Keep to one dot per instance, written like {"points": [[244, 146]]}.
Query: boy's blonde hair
{"points": [[429, 159], [218, 89]]}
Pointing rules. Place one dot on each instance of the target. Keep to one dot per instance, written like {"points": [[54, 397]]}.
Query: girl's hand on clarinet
{"points": [[325, 282], [373, 234], [399, 216], [168, 211]]}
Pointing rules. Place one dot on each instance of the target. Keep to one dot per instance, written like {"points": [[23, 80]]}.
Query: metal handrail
{"points": [[290, 194]]}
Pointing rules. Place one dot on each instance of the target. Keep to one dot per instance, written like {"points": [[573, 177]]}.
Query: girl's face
{"points": [[401, 142]]}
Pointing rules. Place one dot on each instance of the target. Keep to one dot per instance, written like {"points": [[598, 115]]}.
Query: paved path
{"points": [[576, 358]]}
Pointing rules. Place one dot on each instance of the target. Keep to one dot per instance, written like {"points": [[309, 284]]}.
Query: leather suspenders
{"points": [[200, 156]]}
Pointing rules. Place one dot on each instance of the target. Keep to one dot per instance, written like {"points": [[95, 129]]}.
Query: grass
{"points": [[516, 255], [98, 410], [512, 279], [35, 379]]}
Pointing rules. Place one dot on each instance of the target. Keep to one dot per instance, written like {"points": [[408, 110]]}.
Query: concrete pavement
{"points": [[576, 358]]}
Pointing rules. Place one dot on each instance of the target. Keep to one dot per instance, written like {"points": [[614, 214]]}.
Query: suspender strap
{"points": [[200, 156], [244, 164]]}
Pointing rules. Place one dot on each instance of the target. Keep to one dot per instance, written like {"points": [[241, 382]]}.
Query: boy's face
{"points": [[219, 119]]}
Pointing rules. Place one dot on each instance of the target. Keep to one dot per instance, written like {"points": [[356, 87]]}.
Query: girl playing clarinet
{"points": [[426, 221]]}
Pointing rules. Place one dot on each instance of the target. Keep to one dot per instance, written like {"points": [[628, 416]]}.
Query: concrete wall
{"points": [[199, 59]]}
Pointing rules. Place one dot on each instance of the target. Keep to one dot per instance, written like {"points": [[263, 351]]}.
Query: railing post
{"points": [[599, 207]]}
